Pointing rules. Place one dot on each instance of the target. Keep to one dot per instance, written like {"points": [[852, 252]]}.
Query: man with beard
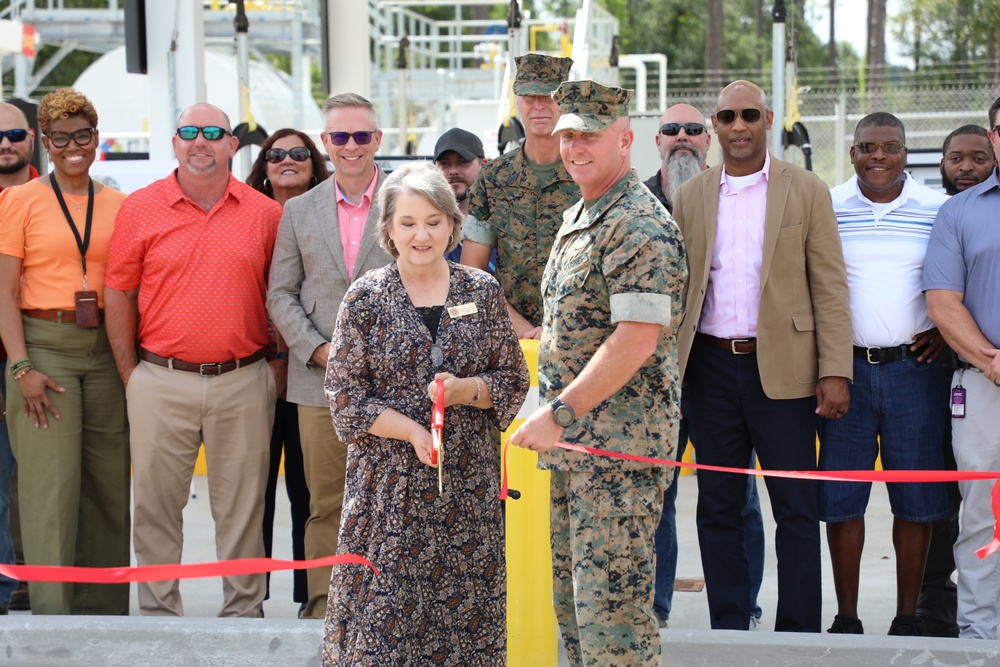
{"points": [[516, 204], [459, 155], [683, 142], [187, 276], [17, 143], [966, 159]]}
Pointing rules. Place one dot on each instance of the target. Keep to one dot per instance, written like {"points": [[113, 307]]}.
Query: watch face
{"points": [[563, 416]]}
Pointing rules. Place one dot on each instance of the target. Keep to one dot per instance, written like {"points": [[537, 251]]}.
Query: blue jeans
{"points": [[666, 533], [7, 585]]}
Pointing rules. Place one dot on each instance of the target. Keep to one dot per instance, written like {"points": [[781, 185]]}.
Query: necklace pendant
{"points": [[437, 357]]}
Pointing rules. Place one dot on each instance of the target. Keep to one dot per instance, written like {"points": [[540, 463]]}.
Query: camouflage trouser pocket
{"points": [[622, 543]]}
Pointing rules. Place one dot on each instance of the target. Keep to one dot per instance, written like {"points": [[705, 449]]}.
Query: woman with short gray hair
{"points": [[440, 597]]}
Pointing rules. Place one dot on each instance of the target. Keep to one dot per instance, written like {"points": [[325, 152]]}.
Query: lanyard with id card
{"points": [[958, 397], [88, 316]]}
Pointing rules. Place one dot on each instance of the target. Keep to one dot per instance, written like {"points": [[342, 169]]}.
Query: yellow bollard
{"points": [[531, 621]]}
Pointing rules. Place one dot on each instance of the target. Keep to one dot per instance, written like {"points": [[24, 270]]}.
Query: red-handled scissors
{"points": [[437, 433]]}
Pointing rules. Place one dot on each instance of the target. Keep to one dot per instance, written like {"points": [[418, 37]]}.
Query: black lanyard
{"points": [[83, 243]]}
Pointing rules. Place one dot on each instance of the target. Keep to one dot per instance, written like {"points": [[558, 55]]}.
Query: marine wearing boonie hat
{"points": [[540, 75], [587, 106]]}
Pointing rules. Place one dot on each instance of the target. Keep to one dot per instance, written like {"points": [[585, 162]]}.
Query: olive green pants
{"points": [[73, 477]]}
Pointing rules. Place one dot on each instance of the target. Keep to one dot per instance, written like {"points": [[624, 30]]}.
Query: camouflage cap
{"points": [[540, 75], [588, 106]]}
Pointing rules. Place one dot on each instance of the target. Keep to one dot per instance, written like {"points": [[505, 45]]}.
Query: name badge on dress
{"points": [[461, 311]]}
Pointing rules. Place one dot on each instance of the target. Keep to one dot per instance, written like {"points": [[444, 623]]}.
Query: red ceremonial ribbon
{"points": [[828, 475], [143, 573]]}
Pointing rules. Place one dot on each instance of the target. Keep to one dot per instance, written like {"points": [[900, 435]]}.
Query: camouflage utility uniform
{"points": [[517, 209], [620, 261]]}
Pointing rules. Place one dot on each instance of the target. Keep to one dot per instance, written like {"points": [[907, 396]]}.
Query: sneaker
{"points": [[905, 626], [754, 622], [19, 600], [662, 620], [846, 625]]}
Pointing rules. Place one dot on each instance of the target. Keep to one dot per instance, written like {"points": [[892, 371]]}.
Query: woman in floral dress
{"points": [[440, 597]]}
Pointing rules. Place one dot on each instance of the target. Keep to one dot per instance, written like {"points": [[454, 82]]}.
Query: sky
{"points": [[852, 25]]}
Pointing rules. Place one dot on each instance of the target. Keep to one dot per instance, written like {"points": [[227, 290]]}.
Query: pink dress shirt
{"points": [[352, 218], [733, 296]]}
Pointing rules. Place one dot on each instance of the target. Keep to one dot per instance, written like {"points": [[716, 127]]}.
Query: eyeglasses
{"points": [[80, 137], [889, 147], [728, 116], [15, 136], [673, 129], [360, 138], [210, 132], [277, 155]]}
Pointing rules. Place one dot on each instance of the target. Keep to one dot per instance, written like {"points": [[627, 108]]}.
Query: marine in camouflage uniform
{"points": [[516, 206], [616, 267]]}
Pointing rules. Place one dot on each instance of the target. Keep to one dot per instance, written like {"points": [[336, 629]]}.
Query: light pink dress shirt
{"points": [[733, 296], [352, 220]]}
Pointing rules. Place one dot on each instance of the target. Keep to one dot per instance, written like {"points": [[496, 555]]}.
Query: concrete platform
{"points": [[279, 639]]}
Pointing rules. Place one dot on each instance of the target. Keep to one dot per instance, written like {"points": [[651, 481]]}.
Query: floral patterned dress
{"points": [[441, 596]]}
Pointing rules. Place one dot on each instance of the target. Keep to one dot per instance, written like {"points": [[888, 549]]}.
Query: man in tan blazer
{"points": [[765, 346], [326, 240]]}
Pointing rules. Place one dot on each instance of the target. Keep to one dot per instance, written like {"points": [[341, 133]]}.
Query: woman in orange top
{"points": [[66, 405]]}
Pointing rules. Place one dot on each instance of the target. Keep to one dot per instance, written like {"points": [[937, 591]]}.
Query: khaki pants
{"points": [[73, 477], [172, 412], [325, 459]]}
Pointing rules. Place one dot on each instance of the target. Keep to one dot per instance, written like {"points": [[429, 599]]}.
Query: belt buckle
{"points": [[203, 367], [734, 341], [868, 353]]}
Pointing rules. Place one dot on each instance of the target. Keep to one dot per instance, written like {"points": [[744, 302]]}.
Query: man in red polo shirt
{"points": [[187, 270], [17, 144]]}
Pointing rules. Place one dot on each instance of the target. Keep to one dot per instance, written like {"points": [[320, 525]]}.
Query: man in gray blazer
{"points": [[326, 240]]}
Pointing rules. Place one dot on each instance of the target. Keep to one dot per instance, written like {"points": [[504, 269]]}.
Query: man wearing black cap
{"points": [[459, 155]]}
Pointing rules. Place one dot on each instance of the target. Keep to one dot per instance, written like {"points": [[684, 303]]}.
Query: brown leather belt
{"points": [[58, 316], [734, 345], [205, 370]]}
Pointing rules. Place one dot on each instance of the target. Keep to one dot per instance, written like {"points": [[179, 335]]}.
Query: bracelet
{"points": [[18, 365], [21, 372], [479, 389]]}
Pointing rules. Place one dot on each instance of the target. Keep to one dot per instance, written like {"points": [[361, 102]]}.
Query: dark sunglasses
{"points": [[673, 129], [728, 116], [889, 147], [360, 138], [80, 138], [15, 136], [210, 132], [277, 155]]}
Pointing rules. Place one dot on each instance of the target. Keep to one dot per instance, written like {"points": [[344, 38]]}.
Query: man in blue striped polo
{"points": [[885, 217]]}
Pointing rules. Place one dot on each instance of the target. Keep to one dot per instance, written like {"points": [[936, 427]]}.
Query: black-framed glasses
{"points": [[210, 132], [728, 116], [996, 130], [15, 136], [277, 155], [360, 138], [673, 129], [79, 137], [888, 147]]}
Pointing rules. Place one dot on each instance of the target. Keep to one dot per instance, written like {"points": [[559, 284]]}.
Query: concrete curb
{"points": [[63, 641]]}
